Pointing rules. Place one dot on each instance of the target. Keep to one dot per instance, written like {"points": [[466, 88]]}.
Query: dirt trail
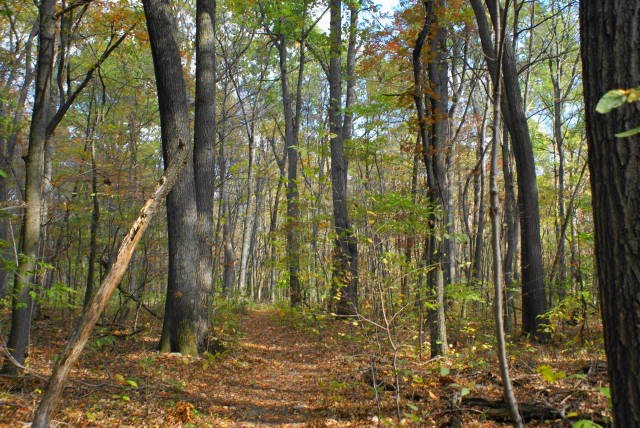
{"points": [[285, 379], [274, 376]]}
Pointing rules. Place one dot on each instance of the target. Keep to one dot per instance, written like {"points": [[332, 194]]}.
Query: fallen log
{"points": [[499, 410]]}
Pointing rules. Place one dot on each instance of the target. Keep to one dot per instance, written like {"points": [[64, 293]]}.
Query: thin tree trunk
{"points": [[496, 225], [479, 199], [511, 220], [95, 219], [534, 303], [293, 211]]}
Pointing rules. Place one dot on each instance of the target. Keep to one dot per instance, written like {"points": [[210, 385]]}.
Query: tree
{"points": [[610, 46], [345, 269], [499, 32], [434, 140], [44, 122], [204, 152], [34, 165], [179, 331], [533, 288], [9, 134], [281, 33]]}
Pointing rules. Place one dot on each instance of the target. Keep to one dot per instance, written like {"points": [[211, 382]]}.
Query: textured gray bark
{"points": [[179, 331], [610, 46], [204, 154]]}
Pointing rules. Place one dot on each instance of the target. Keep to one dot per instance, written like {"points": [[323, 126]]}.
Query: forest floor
{"points": [[283, 370]]}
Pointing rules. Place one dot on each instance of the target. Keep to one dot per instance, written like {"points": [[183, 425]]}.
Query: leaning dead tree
{"points": [[101, 297]]}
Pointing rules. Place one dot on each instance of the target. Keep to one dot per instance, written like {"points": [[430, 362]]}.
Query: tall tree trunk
{"points": [[610, 46], [534, 303], [179, 331], [438, 191], [345, 270], [496, 226], [35, 161], [95, 211], [229, 263], [511, 220], [434, 148], [561, 238], [204, 155], [479, 199], [293, 211], [8, 145], [247, 222]]}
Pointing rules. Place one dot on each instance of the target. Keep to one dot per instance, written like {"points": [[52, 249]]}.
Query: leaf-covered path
{"points": [[284, 378], [275, 374]]}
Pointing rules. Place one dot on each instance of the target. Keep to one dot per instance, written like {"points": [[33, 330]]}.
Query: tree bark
{"points": [[204, 154], [179, 331], [95, 212], [610, 46]]}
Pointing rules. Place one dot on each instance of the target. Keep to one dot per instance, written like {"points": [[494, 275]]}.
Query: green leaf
{"points": [[444, 371], [605, 391], [585, 423], [629, 133], [464, 391], [610, 100], [549, 374], [3, 174], [580, 376], [132, 383]]}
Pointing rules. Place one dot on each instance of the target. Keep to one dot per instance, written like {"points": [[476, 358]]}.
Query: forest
{"points": [[340, 213]]}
